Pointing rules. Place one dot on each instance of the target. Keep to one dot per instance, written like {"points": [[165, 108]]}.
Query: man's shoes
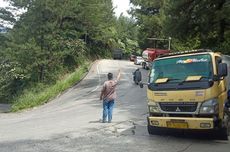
{"points": [[104, 121]]}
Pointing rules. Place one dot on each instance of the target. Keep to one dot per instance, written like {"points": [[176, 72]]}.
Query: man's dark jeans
{"points": [[108, 110]]}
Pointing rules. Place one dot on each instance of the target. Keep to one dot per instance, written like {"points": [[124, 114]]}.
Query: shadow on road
{"points": [[96, 121], [141, 130]]}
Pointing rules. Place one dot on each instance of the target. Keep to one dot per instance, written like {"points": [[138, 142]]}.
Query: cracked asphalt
{"points": [[72, 121]]}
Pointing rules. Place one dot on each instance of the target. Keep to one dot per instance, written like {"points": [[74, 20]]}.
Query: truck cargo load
{"points": [[150, 54]]}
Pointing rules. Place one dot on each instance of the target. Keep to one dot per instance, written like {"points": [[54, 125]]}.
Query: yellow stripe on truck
{"points": [[182, 122]]}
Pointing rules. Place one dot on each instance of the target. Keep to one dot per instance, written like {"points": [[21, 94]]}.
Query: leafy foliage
{"points": [[33, 97], [52, 38], [127, 34], [191, 24], [207, 20], [150, 17]]}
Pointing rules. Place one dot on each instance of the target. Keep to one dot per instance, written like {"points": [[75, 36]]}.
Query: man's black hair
{"points": [[110, 76]]}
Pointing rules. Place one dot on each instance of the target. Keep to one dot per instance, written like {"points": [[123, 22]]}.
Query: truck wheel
{"points": [[143, 65], [155, 130], [224, 132], [152, 130]]}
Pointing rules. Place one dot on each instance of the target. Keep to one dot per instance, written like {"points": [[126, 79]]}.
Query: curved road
{"points": [[71, 122]]}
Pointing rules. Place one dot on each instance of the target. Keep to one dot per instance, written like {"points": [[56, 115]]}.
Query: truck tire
{"points": [[152, 130], [142, 65], [224, 131], [224, 134], [221, 133]]}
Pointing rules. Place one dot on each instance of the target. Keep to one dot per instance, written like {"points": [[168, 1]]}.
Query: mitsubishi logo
{"points": [[178, 109]]}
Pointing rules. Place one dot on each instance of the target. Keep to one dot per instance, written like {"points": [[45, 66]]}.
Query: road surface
{"points": [[72, 121]]}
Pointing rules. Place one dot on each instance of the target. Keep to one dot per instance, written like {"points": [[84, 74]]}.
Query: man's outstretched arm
{"points": [[119, 75]]}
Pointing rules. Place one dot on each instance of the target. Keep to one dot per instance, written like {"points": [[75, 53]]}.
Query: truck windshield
{"points": [[179, 68]]}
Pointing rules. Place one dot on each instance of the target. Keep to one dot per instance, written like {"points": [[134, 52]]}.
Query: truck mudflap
{"points": [[181, 122]]}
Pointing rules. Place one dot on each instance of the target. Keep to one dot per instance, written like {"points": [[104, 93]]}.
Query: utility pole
{"points": [[169, 43]]}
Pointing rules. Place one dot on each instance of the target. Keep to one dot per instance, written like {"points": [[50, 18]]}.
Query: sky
{"points": [[3, 3], [121, 6]]}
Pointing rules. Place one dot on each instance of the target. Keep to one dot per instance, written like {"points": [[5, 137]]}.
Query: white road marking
{"points": [[99, 77]]}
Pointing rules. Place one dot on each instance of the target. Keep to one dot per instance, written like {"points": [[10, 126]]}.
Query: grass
{"points": [[32, 98]]}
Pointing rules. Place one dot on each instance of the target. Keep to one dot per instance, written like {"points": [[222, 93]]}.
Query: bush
{"points": [[43, 93]]}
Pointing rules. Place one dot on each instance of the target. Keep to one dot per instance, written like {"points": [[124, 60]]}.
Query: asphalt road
{"points": [[71, 122]]}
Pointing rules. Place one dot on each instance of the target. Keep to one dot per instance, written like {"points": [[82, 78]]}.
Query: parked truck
{"points": [[117, 54], [189, 90], [150, 54]]}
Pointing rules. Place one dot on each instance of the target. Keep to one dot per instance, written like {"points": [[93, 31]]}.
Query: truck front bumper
{"points": [[181, 122]]}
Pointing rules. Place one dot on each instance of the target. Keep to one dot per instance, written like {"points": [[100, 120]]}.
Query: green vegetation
{"points": [[53, 38], [127, 31], [192, 24], [42, 94]]}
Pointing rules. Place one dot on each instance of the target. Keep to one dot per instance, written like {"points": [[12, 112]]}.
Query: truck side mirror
{"points": [[137, 77], [222, 70]]}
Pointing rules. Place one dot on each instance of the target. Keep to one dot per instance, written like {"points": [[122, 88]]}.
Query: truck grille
{"points": [[178, 106]]}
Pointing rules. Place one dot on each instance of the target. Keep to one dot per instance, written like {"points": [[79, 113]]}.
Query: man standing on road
{"points": [[108, 95]]}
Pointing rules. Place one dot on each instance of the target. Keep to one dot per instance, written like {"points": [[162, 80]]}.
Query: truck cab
{"points": [[188, 90]]}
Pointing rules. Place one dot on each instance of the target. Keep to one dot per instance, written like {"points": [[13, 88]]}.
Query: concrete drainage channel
{"points": [[5, 108]]}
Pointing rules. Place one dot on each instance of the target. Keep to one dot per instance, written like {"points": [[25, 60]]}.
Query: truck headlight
{"points": [[153, 108], [209, 107]]}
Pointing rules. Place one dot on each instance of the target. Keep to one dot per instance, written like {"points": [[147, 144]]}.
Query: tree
{"points": [[127, 34], [150, 17], [53, 37], [207, 20]]}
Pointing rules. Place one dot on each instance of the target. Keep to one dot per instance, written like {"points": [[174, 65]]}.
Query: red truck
{"points": [[150, 54]]}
